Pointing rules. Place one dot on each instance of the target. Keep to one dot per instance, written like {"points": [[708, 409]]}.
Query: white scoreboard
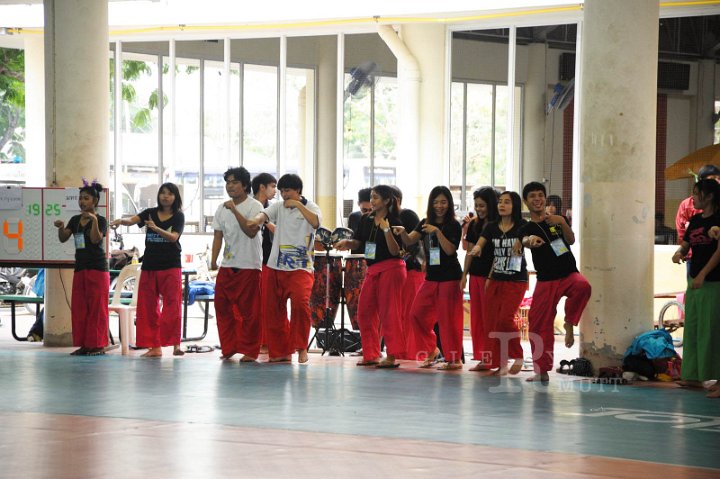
{"points": [[29, 236]]}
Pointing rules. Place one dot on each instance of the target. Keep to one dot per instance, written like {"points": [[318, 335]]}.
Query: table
{"points": [[13, 299]]}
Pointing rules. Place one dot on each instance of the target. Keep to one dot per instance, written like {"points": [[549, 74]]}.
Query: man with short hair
{"points": [[549, 238], [239, 277], [363, 203], [290, 274]]}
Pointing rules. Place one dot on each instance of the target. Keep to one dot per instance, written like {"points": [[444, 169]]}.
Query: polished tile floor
{"points": [[195, 416]]}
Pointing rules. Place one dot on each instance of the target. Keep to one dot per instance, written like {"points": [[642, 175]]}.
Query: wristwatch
{"points": [[385, 230]]}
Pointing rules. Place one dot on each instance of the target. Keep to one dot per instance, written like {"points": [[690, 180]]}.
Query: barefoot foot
{"points": [[153, 353], [177, 351], [480, 367], [227, 356], [539, 378], [247, 359], [80, 352], [516, 366], [280, 359], [569, 335], [302, 356]]}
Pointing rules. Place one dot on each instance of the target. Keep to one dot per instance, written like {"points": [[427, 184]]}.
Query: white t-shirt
{"points": [[240, 250], [293, 243]]}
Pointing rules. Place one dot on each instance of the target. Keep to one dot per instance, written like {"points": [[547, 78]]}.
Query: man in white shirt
{"points": [[237, 287], [291, 269]]}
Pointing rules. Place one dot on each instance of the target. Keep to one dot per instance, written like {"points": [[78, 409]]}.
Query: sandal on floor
{"points": [[367, 363], [450, 367], [387, 365], [564, 367], [428, 363]]}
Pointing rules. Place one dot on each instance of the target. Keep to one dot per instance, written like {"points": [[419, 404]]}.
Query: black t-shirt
{"points": [[479, 266], [449, 268], [89, 255], [504, 267], [549, 266], [353, 224], [410, 220], [161, 254], [368, 232], [703, 247]]}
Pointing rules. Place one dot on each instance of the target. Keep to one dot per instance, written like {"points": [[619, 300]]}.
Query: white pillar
{"points": [[35, 111], [327, 194], [425, 161], [76, 118], [617, 173], [533, 168]]}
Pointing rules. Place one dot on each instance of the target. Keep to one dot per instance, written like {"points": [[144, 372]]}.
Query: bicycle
{"points": [[672, 316]]}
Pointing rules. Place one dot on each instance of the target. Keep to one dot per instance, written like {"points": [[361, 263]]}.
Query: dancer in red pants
{"points": [[91, 280], [439, 299], [237, 287], [159, 308], [549, 238], [380, 307], [291, 270], [479, 269], [506, 285]]}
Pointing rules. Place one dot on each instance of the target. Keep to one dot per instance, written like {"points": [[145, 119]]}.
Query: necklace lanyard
{"points": [[543, 232]]}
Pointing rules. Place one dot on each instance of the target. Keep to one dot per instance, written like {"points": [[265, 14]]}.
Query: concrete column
{"points": [[704, 103], [76, 119], [533, 167], [35, 110], [327, 163], [425, 163], [618, 93]]}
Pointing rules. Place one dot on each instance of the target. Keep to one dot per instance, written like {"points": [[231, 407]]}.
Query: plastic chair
{"points": [[126, 312]]}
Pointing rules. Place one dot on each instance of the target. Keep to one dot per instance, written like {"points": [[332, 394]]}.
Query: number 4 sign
{"points": [[29, 236]]}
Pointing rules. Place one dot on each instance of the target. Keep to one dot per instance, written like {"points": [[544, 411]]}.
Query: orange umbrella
{"points": [[687, 165]]}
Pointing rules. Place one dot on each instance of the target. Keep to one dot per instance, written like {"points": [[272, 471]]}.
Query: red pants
{"points": [[90, 308], [502, 300], [158, 326], [263, 318], [439, 302], [237, 311], [542, 314], [285, 337], [379, 296], [412, 285], [477, 317]]}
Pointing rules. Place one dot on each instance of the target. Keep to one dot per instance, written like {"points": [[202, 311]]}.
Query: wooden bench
{"points": [[13, 299]]}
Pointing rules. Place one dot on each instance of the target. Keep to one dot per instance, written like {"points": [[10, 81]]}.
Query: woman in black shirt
{"points": [[479, 269], [161, 273], [506, 285], [439, 299], [386, 271], [91, 280]]}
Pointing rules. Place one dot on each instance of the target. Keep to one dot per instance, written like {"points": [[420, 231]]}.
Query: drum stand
{"points": [[334, 343], [337, 344]]}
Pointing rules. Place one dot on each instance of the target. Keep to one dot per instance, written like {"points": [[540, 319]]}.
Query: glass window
{"points": [[260, 104], [139, 161], [181, 160], [12, 117], [478, 137]]}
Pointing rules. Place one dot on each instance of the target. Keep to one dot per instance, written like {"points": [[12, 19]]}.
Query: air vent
{"points": [[671, 75]]}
